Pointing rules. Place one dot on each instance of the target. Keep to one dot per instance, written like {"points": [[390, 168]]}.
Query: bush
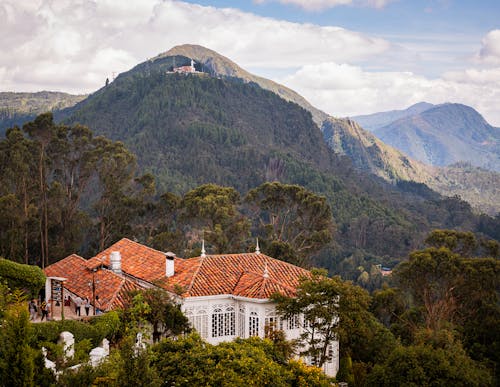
{"points": [[105, 326], [19, 276]]}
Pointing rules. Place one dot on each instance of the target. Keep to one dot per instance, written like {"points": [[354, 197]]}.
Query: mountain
{"points": [[220, 125], [375, 121], [218, 65], [368, 153], [343, 136], [17, 108], [445, 134]]}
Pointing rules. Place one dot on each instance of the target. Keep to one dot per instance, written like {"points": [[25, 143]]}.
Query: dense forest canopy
{"points": [[66, 190]]}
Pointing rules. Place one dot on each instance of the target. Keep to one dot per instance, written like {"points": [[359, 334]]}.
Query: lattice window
{"points": [[223, 322], [253, 324], [273, 323], [293, 322], [200, 323], [241, 322]]}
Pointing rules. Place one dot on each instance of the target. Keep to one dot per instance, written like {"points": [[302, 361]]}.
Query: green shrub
{"points": [[105, 326], [19, 276]]}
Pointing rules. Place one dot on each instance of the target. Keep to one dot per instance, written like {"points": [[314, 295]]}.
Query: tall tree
{"points": [[42, 129], [115, 168], [214, 211], [296, 220], [74, 158], [18, 195]]}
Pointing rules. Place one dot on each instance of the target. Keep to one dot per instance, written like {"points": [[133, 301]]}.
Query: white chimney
{"points": [[115, 260], [169, 264]]}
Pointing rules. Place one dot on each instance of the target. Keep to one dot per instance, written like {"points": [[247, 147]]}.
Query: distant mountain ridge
{"points": [[439, 135], [17, 108], [375, 121], [344, 136]]}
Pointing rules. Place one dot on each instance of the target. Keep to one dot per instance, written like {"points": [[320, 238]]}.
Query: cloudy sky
{"points": [[346, 57]]}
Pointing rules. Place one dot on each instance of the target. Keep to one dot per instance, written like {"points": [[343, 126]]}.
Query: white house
{"points": [[224, 296]]}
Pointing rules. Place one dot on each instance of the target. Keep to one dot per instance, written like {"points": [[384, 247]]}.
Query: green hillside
{"points": [[18, 108], [194, 129]]}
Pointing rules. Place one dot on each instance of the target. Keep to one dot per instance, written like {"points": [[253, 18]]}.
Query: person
{"points": [[87, 306], [45, 310], [32, 309], [78, 306]]}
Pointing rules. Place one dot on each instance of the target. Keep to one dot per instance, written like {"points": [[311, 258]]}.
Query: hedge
{"points": [[19, 276]]}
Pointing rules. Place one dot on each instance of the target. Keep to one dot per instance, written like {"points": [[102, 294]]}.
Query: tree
{"points": [[292, 219], [115, 168], [432, 277], [18, 197], [156, 307], [318, 300], [42, 129], [423, 365], [73, 168], [16, 355], [214, 209]]}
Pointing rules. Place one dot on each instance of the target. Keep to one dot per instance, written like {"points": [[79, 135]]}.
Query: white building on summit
{"points": [[185, 69], [224, 296]]}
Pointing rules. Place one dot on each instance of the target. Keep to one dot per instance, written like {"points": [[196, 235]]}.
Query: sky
{"points": [[347, 57]]}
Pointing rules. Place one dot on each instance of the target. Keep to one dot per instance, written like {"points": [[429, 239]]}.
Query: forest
{"points": [[436, 324], [65, 190]]}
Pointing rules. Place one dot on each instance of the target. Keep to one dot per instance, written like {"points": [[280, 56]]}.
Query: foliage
{"points": [[19, 276], [156, 307], [190, 361], [318, 300], [214, 209], [105, 326], [423, 365], [16, 356], [293, 216]]}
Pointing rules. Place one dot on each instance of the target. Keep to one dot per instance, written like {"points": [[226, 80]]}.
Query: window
{"points": [[293, 322], [253, 324], [200, 323], [241, 322], [198, 320], [223, 322], [273, 323]]}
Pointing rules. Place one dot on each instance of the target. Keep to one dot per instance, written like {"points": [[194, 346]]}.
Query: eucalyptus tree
{"points": [[294, 220]]}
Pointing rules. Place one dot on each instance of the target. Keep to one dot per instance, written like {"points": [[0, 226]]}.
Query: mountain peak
{"points": [[216, 62]]}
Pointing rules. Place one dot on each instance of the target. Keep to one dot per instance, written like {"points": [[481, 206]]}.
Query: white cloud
{"points": [[74, 46], [490, 48], [317, 5], [346, 90]]}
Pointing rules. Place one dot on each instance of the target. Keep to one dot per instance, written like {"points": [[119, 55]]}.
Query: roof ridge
{"points": [[262, 286], [117, 291], [202, 260], [134, 242]]}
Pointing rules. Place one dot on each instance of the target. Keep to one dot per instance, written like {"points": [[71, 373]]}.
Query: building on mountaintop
{"points": [[224, 296], [185, 69]]}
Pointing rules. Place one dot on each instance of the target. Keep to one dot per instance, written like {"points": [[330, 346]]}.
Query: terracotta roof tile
{"points": [[237, 274], [108, 285], [137, 260]]}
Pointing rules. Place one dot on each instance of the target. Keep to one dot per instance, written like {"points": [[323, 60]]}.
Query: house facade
{"points": [[224, 296]]}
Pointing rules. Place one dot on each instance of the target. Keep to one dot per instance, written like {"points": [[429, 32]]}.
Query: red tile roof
{"points": [[237, 274], [249, 275], [137, 260], [109, 286]]}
